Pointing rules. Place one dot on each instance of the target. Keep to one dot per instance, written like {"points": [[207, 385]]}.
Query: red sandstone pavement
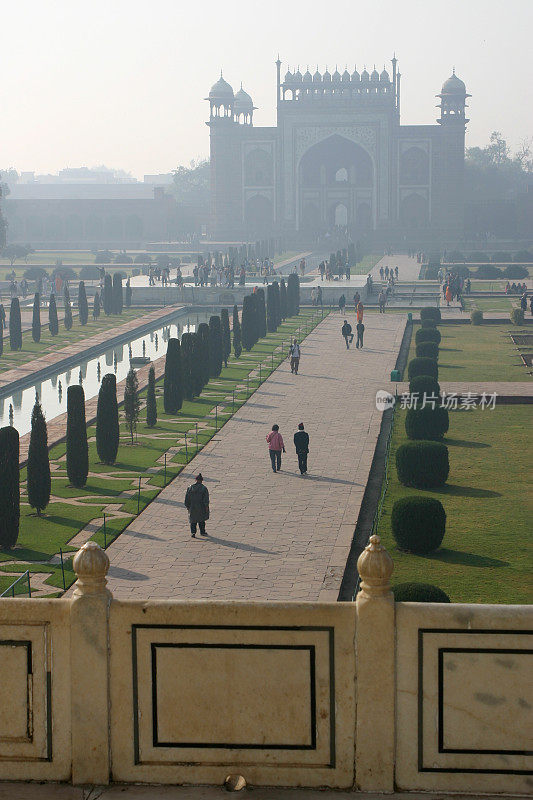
{"points": [[272, 536]]}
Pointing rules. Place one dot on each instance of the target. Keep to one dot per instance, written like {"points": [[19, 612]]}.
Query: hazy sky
{"points": [[122, 82]]}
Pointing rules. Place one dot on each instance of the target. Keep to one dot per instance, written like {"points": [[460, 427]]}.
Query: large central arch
{"points": [[334, 172]]}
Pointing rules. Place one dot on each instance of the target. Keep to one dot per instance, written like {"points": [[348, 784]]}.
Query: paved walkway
{"points": [[408, 268], [273, 536]]}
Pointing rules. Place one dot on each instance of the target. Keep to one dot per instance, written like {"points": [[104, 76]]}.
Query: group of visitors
{"points": [[276, 447], [515, 288], [452, 287], [316, 296], [388, 272]]}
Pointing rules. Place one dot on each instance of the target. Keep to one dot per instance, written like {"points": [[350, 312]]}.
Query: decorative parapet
{"points": [[375, 568], [91, 565]]}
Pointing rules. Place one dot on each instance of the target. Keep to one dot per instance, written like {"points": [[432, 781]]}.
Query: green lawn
{"points": [[486, 554], [367, 263], [477, 353], [489, 304], [42, 537], [49, 344]]}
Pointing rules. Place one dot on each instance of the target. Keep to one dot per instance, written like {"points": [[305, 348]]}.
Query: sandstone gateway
{"points": [[338, 157]]}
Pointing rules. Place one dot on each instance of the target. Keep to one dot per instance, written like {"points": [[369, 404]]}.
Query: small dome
{"points": [[307, 77], [298, 76], [243, 102], [365, 76], [375, 75], [288, 76], [384, 77], [221, 90], [317, 77], [453, 85], [345, 76], [336, 76], [326, 77], [355, 75]]}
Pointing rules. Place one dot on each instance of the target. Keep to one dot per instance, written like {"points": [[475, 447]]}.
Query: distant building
{"points": [[163, 179], [338, 157]]}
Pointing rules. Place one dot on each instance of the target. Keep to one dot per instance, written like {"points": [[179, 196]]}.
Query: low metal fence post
{"points": [[248, 385], [165, 478], [232, 404], [216, 418], [139, 496], [196, 436], [62, 568], [186, 449], [29, 585], [105, 533], [259, 372]]}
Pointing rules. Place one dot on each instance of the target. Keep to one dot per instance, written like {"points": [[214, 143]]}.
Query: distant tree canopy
{"points": [[191, 184]]}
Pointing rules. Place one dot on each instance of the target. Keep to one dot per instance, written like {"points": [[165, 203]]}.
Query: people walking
{"points": [[295, 355], [301, 443], [360, 328], [360, 311], [356, 299], [346, 331], [197, 504], [382, 301], [275, 446], [342, 304]]}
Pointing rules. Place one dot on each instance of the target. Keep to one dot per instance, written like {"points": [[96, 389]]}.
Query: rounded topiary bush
{"points": [[488, 271], [418, 524], [427, 423], [514, 271], [422, 366], [424, 385], [423, 464], [476, 317], [428, 335], [419, 593], [427, 350], [429, 322], [461, 270], [430, 312], [517, 316]]}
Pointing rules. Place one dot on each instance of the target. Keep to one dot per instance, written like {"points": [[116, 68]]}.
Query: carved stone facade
{"points": [[338, 158]]}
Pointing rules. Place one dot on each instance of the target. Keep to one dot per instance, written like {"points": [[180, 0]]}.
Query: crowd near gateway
{"points": [[245, 395]]}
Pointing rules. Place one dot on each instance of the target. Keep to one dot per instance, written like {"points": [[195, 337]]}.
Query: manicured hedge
{"points": [[430, 312], [427, 423], [423, 464], [429, 322], [422, 366], [517, 316], [419, 593], [418, 524], [424, 384], [427, 350], [488, 271], [514, 271], [428, 335], [476, 317]]}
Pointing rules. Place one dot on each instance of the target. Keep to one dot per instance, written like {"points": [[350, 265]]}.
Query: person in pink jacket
{"points": [[275, 446]]}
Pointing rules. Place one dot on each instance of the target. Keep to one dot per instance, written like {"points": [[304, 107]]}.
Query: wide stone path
{"points": [[272, 536]]}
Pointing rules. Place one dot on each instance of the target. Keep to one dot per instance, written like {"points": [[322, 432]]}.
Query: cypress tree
{"points": [[237, 336], [96, 306], [9, 487], [283, 299], [39, 483], [187, 365], [151, 402], [128, 294], [261, 313], [108, 295], [107, 424], [15, 326], [83, 306], [131, 402], [53, 323], [215, 347], [226, 335], [77, 447], [277, 303], [248, 322], [197, 377], [173, 380], [36, 319], [203, 335], [68, 309], [118, 300], [271, 309], [293, 295]]}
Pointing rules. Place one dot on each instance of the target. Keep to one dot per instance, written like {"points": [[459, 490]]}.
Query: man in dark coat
{"points": [[360, 331], [301, 443], [197, 504], [346, 331]]}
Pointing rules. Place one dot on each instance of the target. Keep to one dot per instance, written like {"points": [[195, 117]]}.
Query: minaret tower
{"points": [[453, 121]]}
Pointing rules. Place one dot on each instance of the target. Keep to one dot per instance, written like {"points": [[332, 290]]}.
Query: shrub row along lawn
{"points": [[50, 344], [486, 553], [477, 353], [71, 509]]}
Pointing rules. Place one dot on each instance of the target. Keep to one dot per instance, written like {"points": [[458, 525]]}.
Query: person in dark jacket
{"points": [[360, 328], [197, 504], [301, 443], [346, 331]]}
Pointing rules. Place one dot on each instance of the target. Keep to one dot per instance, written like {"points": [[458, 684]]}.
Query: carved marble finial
{"points": [[375, 568], [91, 565]]}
